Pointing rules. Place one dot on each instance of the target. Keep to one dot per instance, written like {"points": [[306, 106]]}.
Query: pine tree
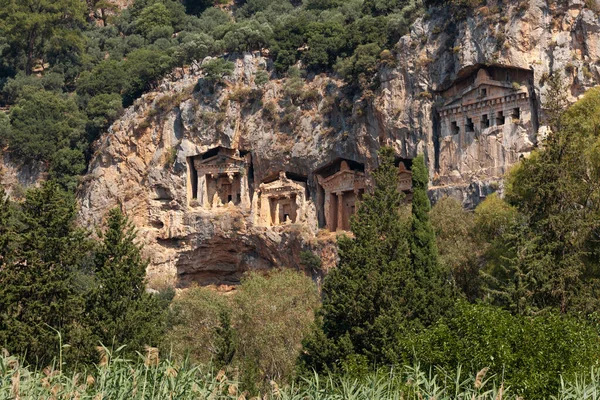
{"points": [[432, 292], [120, 310], [556, 190], [37, 284]]}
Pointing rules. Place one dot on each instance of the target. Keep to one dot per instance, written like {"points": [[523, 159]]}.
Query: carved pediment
{"points": [[343, 181], [281, 186], [220, 163]]}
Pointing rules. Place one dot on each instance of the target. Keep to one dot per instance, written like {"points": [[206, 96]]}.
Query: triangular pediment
{"points": [[283, 185], [343, 181], [472, 93], [222, 159]]}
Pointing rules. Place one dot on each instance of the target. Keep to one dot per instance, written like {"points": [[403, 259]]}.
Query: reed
{"points": [[148, 377]]}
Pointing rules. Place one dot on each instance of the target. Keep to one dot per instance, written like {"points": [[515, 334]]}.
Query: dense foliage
{"points": [[258, 329], [525, 267], [68, 67], [58, 287], [388, 283]]}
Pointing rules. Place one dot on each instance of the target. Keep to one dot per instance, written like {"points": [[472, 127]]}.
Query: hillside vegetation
{"points": [[66, 76]]}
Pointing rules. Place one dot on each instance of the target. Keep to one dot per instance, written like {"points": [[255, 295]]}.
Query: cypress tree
{"points": [[6, 225], [364, 302], [388, 284], [432, 293], [37, 279], [120, 310]]}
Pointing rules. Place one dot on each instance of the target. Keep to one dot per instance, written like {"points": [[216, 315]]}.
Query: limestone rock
{"points": [[142, 164]]}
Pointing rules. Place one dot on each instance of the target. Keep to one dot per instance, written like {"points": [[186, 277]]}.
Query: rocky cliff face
{"points": [[142, 163]]}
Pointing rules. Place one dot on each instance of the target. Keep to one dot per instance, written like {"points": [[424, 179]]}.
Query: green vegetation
{"points": [[66, 77], [257, 330], [362, 320], [512, 287], [118, 309], [59, 287], [140, 379]]}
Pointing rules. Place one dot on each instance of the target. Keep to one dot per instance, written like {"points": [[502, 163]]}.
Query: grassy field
{"points": [[149, 378]]}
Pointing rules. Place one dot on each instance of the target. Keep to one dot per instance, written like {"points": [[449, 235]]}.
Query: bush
{"points": [[530, 353], [458, 248], [272, 315], [258, 329], [216, 69], [196, 319], [43, 123]]}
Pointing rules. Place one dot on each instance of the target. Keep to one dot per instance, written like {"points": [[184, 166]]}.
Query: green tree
{"points": [[6, 228], [38, 294], [258, 329], [144, 68], [109, 76], [151, 17], [119, 310], [42, 123], [367, 301], [197, 327], [528, 353], [460, 250], [216, 69], [557, 190], [102, 111], [31, 25], [432, 291], [66, 166]]}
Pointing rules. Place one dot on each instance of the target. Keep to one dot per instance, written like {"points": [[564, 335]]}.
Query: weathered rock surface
{"points": [[141, 163], [16, 176]]}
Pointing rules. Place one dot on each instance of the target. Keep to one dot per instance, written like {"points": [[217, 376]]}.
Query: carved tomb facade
{"points": [[343, 190], [280, 202], [483, 115], [219, 177]]}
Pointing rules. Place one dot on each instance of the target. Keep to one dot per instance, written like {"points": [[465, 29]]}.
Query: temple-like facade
{"points": [[220, 177], [485, 104], [217, 178], [280, 202], [343, 190]]}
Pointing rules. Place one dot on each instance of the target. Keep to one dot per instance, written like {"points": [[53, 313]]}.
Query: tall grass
{"points": [[149, 378]]}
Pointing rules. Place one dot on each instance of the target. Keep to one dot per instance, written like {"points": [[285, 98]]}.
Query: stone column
{"points": [[340, 211], [276, 222], [326, 210], [203, 192], [357, 198], [255, 211], [245, 191], [265, 210], [300, 207]]}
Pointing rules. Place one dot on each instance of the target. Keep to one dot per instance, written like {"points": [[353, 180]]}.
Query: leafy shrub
{"points": [[42, 123], [272, 315], [258, 328], [311, 261], [196, 320], [270, 111], [531, 353], [458, 246], [216, 69], [261, 78]]}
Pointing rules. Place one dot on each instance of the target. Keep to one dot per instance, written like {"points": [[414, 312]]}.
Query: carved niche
{"points": [[280, 202], [217, 178], [343, 190]]}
